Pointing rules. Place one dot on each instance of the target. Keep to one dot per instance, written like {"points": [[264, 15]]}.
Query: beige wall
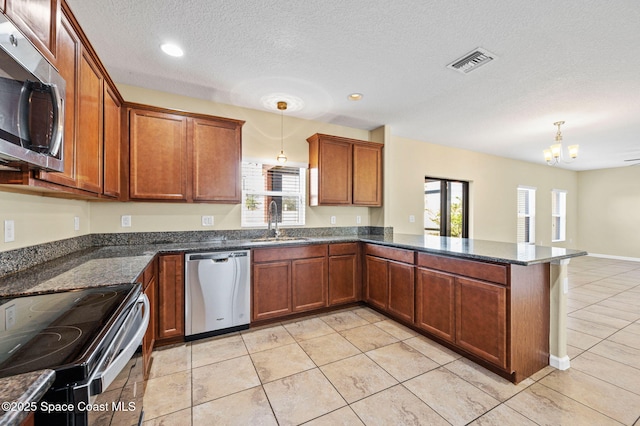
{"points": [[41, 219], [609, 206], [492, 190]]}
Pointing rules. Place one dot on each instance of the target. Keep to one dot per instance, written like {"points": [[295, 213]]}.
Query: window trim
{"points": [[562, 215], [531, 191]]}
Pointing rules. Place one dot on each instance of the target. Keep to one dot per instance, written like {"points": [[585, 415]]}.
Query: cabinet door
{"points": [[343, 279], [217, 155], [367, 175], [309, 284], [67, 62], [376, 282], [401, 290], [481, 319], [171, 296], [271, 290], [89, 140], [37, 19], [111, 186], [158, 156], [334, 172], [435, 303]]}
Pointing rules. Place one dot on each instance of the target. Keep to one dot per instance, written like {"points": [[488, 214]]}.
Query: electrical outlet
{"points": [[125, 221], [76, 223], [333, 220], [9, 317], [412, 219], [358, 220], [9, 231], [207, 220]]}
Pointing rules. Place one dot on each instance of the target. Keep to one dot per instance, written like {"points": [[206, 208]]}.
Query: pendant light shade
{"points": [[282, 158]]}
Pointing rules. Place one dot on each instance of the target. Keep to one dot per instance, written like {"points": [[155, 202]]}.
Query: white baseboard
{"points": [[608, 256], [560, 363]]}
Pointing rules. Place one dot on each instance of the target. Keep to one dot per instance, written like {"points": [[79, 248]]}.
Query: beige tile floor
{"points": [[355, 367]]}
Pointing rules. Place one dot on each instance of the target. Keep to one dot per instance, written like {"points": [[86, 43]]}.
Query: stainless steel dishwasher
{"points": [[217, 293]]}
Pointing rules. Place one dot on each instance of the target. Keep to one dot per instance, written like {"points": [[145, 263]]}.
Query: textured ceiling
{"points": [[574, 60]]}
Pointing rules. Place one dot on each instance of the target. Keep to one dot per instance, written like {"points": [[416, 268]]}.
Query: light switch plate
{"points": [[9, 231], [207, 220], [412, 218], [333, 220], [358, 220], [125, 221], [76, 223]]}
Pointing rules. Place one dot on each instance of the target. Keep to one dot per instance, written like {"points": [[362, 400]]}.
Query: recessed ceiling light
{"points": [[355, 96], [172, 50]]}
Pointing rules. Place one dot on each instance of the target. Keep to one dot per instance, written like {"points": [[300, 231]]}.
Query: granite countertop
{"points": [[99, 266], [21, 392]]}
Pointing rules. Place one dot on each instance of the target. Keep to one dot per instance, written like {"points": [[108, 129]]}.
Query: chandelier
{"points": [[553, 155], [282, 106]]}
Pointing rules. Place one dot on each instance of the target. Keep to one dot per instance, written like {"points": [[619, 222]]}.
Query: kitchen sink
{"points": [[278, 239]]}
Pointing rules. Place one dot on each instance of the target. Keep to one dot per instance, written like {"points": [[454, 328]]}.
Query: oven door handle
{"points": [[107, 375]]}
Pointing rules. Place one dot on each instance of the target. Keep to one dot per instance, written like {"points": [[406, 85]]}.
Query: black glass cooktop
{"points": [[54, 330]]}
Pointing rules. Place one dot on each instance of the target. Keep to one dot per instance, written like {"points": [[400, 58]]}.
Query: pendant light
{"points": [[282, 106], [553, 155]]}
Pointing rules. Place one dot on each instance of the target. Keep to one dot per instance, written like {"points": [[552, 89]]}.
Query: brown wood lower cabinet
{"points": [[288, 280], [170, 298], [344, 273], [150, 287]]}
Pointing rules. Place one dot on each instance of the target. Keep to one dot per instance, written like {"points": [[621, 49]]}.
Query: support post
{"points": [[558, 356]]}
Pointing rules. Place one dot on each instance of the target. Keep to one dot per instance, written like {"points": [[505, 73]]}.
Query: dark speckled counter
{"points": [[21, 390]]}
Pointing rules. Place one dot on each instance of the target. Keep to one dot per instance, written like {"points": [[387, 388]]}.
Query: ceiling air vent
{"points": [[472, 60]]}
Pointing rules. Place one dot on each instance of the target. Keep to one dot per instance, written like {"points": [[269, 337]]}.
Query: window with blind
{"points": [[558, 215], [263, 183], [526, 226]]}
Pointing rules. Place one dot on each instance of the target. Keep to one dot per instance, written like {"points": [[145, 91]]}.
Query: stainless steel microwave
{"points": [[32, 97]]}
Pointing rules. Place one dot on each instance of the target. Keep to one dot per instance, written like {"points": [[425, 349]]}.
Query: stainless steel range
{"points": [[90, 338]]}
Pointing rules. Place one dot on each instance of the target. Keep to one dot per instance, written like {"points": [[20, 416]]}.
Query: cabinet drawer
{"points": [[398, 255], [470, 268], [289, 253], [343, 248]]}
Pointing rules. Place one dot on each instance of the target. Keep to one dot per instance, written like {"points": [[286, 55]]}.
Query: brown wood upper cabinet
{"points": [[175, 156], [344, 171], [38, 20]]}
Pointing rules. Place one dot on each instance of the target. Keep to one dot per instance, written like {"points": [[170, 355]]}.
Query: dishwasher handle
{"points": [[216, 257]]}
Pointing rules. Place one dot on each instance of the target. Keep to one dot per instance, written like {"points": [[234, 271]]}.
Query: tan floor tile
{"points": [[604, 397], [608, 370], [343, 320], [591, 328], [575, 305], [249, 407], [402, 361], [542, 373], [214, 350], [302, 397], [223, 378], [266, 338], [357, 377], [179, 418], [633, 328], [368, 337], [499, 388], [460, 404], [433, 350], [326, 349], [396, 406], [573, 352], [308, 329], [600, 319], [342, 417], [398, 331], [501, 416], [620, 305], [167, 394], [617, 352], [546, 406], [170, 360], [581, 340], [625, 338], [369, 314], [280, 362]]}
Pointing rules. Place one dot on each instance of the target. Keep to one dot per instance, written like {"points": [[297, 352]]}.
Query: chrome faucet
{"points": [[272, 213]]}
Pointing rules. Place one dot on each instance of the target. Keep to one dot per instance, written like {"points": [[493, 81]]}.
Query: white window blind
{"points": [[263, 183], [526, 215], [558, 215]]}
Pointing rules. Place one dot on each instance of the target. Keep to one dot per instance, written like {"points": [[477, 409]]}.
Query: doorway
{"points": [[446, 207]]}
